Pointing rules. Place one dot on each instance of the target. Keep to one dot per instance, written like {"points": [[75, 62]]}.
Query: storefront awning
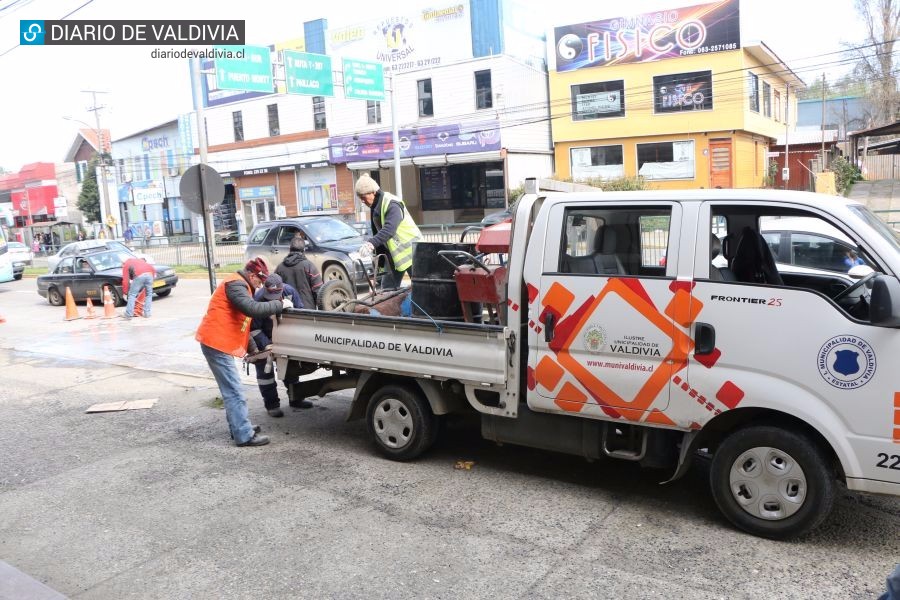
{"points": [[433, 160]]}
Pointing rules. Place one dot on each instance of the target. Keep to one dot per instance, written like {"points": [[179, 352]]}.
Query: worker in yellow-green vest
{"points": [[393, 229]]}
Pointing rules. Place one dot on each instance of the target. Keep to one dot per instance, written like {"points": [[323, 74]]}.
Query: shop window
{"points": [[237, 121], [484, 96], [373, 112], [753, 91], [319, 113], [666, 160], [767, 99], [597, 162], [426, 107], [683, 91], [598, 100], [274, 127]]}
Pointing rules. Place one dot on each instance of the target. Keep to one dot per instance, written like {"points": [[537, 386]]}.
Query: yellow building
{"points": [[671, 96]]}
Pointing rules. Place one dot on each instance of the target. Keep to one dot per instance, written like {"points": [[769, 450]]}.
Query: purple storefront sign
{"points": [[421, 141], [685, 31]]}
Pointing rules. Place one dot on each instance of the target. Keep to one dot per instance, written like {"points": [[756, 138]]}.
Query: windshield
{"points": [[330, 230], [108, 260], [888, 233]]}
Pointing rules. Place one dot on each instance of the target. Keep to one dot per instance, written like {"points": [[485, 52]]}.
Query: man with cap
{"points": [[394, 229], [223, 335], [259, 351], [300, 272]]}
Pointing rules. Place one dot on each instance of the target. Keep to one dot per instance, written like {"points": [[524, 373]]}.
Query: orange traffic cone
{"points": [[2, 320], [71, 309], [90, 310], [109, 307], [139, 304]]}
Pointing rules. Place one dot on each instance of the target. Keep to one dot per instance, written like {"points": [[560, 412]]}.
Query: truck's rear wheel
{"points": [[772, 482], [400, 422]]}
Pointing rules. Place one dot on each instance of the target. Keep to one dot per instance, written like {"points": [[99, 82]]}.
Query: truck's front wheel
{"points": [[400, 422], [772, 482]]}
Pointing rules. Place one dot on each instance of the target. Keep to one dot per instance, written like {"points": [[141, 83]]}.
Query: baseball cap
{"points": [[274, 287]]}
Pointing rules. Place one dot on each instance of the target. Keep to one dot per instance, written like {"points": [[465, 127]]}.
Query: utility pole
{"points": [[823, 123], [786, 171], [107, 201]]}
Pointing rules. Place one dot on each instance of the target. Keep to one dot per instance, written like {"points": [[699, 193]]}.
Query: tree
{"points": [[875, 58], [89, 198]]}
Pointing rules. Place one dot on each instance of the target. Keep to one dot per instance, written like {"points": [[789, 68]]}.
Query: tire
{"points": [[332, 294], [772, 482], [116, 298], [54, 297], [335, 273], [164, 293], [17, 277], [401, 423]]}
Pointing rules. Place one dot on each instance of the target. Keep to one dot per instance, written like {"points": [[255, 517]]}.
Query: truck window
{"points": [[614, 241]]}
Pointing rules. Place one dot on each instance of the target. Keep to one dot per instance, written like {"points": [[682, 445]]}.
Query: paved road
{"points": [[159, 504]]}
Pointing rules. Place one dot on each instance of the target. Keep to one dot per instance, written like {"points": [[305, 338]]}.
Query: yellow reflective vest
{"points": [[400, 245]]}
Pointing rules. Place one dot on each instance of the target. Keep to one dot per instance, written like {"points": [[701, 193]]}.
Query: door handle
{"points": [[548, 326], [704, 338]]}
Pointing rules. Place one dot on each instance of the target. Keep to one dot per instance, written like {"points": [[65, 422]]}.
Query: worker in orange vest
{"points": [[223, 335]]}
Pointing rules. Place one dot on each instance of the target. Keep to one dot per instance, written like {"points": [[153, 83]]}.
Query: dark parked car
{"points": [[331, 244], [86, 274]]}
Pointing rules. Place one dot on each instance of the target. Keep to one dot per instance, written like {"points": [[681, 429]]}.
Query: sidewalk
{"points": [[882, 197]]}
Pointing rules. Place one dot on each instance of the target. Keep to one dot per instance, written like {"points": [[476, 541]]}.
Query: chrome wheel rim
{"points": [[768, 483]]}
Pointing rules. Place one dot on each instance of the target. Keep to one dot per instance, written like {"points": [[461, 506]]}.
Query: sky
{"points": [[44, 84]]}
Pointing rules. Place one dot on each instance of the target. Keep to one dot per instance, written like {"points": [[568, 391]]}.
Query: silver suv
{"points": [[331, 244]]}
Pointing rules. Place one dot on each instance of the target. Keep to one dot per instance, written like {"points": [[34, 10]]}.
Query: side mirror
{"points": [[884, 303], [859, 271]]}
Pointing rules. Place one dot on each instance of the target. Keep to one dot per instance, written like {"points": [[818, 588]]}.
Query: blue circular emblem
{"points": [[846, 362]]}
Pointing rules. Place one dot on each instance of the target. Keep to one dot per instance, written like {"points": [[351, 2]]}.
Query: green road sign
{"points": [[363, 80], [249, 69], [306, 73]]}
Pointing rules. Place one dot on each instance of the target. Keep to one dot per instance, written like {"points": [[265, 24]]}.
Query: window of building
{"points": [[597, 162], [767, 99], [484, 96], [682, 91], [238, 122], [319, 113], [373, 112], [426, 107], [666, 160], [598, 100], [753, 91], [120, 170], [81, 168], [274, 127], [777, 105]]}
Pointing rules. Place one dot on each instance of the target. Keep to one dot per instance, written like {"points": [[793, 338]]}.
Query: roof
{"points": [[799, 137], [89, 136], [168, 123], [892, 129], [807, 199], [766, 56]]}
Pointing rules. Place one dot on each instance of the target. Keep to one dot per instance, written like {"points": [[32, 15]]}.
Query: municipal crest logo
{"points": [[846, 362], [594, 338]]}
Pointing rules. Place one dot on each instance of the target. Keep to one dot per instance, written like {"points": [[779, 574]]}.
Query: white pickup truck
{"points": [[783, 379]]}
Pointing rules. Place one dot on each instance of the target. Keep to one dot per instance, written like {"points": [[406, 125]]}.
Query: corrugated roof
{"points": [[807, 136]]}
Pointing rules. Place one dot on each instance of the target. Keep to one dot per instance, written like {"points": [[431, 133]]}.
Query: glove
{"points": [[366, 250], [286, 303]]}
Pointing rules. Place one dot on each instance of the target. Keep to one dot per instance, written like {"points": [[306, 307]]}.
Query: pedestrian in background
{"points": [[300, 273], [260, 350], [394, 229], [137, 275], [224, 334]]}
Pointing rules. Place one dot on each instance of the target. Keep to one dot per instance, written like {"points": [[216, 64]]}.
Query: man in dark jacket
{"points": [[223, 335], [299, 272], [259, 352]]}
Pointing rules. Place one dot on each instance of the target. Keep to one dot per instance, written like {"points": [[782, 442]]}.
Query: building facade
{"points": [[671, 96], [31, 203]]}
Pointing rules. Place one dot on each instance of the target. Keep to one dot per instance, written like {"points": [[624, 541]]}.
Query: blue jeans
{"points": [[229, 380], [144, 281]]}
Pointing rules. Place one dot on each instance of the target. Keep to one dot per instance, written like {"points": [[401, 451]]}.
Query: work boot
{"points": [[256, 440], [301, 404], [275, 413], [256, 429]]}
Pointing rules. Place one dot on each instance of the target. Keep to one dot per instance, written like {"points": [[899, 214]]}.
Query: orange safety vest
{"points": [[223, 327]]}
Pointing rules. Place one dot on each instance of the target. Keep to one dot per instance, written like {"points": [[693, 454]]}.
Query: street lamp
{"points": [[107, 205]]}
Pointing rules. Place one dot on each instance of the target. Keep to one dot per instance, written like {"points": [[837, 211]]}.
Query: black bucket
{"points": [[433, 287]]}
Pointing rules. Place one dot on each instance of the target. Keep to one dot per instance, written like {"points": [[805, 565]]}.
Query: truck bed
{"points": [[471, 353]]}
